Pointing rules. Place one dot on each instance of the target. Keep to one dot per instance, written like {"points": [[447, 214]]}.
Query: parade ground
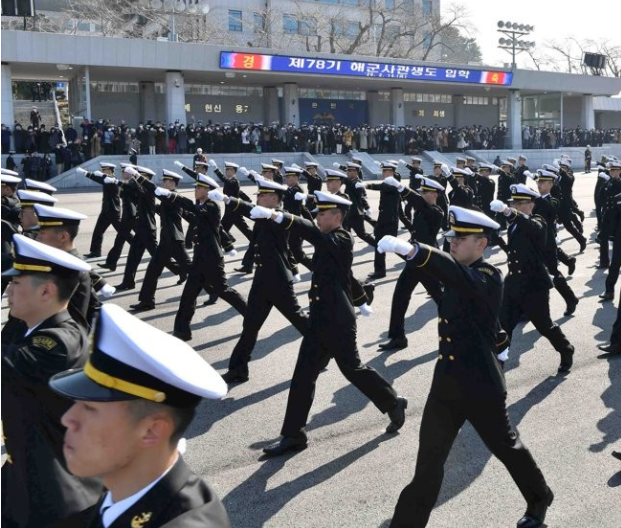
{"points": [[352, 472]]}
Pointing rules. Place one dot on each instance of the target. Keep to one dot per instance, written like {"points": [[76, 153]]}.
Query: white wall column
{"points": [[175, 97], [458, 103], [8, 115], [147, 101], [373, 109], [87, 92], [397, 111], [514, 121], [588, 113], [271, 111], [291, 104]]}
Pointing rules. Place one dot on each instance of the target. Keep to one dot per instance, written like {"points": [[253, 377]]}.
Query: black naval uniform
{"points": [[414, 185], [332, 328], [505, 180], [128, 221], [171, 246], [313, 183], [272, 286], [426, 223], [359, 205], [613, 218], [598, 194], [468, 384], [296, 207], [485, 191], [520, 177], [110, 214], [181, 499], [566, 215], [37, 489], [608, 195], [84, 302], [10, 226], [231, 218], [387, 219], [207, 268], [527, 286], [461, 195]]}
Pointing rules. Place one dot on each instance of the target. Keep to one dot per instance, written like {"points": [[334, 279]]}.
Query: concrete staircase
{"points": [[22, 110]]}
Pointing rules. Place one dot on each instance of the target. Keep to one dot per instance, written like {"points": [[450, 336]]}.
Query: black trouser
{"points": [[295, 245], [144, 238], [233, 219], [261, 299], [165, 251], [563, 257], [406, 283], [604, 246], [356, 224], [104, 221], [441, 422], [318, 346], [572, 224], [207, 273], [123, 234], [381, 230], [615, 336], [558, 279], [615, 265], [535, 305], [404, 219]]}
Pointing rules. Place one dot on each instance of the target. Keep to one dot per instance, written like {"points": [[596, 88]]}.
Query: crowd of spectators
{"points": [[94, 138]]}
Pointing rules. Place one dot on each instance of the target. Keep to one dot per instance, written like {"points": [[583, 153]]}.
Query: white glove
{"points": [[360, 186], [558, 241], [107, 179], [231, 253], [98, 173], [160, 191], [529, 174], [243, 171], [179, 164], [107, 291], [504, 355], [365, 310], [445, 170], [216, 195], [378, 163], [403, 162], [393, 244], [258, 212], [368, 212], [213, 164], [300, 196], [418, 177], [393, 182], [336, 165], [297, 278], [497, 206], [603, 176], [256, 175], [82, 171]]}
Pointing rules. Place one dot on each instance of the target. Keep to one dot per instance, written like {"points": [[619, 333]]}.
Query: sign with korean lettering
{"points": [[281, 63]]}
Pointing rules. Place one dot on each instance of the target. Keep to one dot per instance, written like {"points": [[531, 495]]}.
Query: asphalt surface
{"points": [[352, 473]]}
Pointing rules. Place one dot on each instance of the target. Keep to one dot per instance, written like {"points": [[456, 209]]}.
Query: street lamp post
{"points": [[512, 44]]}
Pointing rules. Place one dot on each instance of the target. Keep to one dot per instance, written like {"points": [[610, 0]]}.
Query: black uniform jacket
{"points": [[467, 367], [357, 196], [145, 202], [37, 489], [547, 209], [180, 499], [427, 218], [170, 217], [389, 203], [111, 197], [231, 188]]}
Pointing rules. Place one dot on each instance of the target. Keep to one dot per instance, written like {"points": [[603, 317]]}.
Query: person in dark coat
{"points": [[121, 392], [614, 219], [11, 210], [468, 383], [608, 192], [313, 183], [505, 180], [360, 208], [332, 322], [37, 488]]}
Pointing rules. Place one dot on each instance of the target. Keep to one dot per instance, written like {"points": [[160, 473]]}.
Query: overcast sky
{"points": [[553, 19]]}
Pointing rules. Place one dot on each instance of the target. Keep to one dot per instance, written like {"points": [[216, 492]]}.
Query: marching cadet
{"points": [[471, 163], [360, 205], [37, 488], [313, 183], [566, 215], [207, 268], [171, 244], [527, 286], [388, 217], [460, 162], [58, 228], [128, 218], [278, 172], [486, 188], [522, 168], [546, 207], [28, 216], [440, 177], [233, 189], [597, 192], [505, 180], [613, 219], [132, 402], [10, 218], [110, 214], [415, 170], [462, 194], [468, 383], [427, 222], [272, 285], [608, 192], [332, 323], [293, 204]]}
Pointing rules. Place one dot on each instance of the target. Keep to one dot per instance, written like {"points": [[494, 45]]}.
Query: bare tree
{"points": [[567, 55]]}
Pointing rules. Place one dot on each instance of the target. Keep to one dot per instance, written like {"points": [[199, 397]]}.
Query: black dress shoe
{"points": [[369, 289], [107, 266], [397, 415], [617, 454], [611, 348], [182, 335], [583, 245], [395, 344], [213, 299], [571, 307], [182, 278], [142, 307], [376, 275], [602, 266], [607, 296], [243, 270], [567, 360], [92, 255], [571, 267], [536, 512], [286, 443], [125, 287], [233, 376]]}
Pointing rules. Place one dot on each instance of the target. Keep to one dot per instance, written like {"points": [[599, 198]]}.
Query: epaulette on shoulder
{"points": [[489, 270]]}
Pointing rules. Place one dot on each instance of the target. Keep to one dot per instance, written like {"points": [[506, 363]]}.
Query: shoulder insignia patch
{"points": [[44, 342], [486, 270]]}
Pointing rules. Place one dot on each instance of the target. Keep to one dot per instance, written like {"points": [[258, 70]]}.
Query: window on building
{"points": [[427, 7], [259, 23], [427, 41], [390, 4], [289, 24], [474, 100], [306, 28], [235, 20]]}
